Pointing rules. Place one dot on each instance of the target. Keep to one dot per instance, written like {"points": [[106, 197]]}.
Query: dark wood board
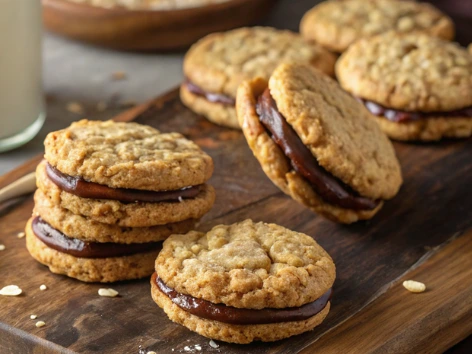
{"points": [[434, 207]]}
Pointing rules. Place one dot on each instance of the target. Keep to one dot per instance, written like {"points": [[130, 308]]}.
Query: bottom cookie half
{"points": [[104, 270], [241, 334]]}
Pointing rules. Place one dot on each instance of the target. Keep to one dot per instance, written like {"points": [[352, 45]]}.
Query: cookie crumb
{"points": [[118, 75], [20, 234], [33, 317], [198, 347], [40, 324], [42, 287], [107, 292], [11, 290], [75, 107], [151, 352], [2, 247], [101, 106], [213, 344], [414, 286]]}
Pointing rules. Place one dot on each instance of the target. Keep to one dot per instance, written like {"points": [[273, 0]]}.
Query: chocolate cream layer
{"points": [[329, 188], [55, 239], [84, 189], [209, 96], [399, 116], [237, 316]]}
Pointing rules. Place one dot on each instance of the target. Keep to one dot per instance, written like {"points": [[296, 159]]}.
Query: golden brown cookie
{"points": [[251, 271], [419, 87], [86, 229], [337, 24], [103, 270], [331, 156], [138, 214], [127, 155], [217, 64]]}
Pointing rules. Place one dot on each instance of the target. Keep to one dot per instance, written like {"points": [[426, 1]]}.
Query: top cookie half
{"points": [[337, 24], [220, 62], [127, 155]]}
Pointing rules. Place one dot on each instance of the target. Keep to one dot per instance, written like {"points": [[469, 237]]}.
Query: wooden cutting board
{"points": [[425, 233]]}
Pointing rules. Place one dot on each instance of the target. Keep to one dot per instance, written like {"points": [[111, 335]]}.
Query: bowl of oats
{"points": [[148, 25]]}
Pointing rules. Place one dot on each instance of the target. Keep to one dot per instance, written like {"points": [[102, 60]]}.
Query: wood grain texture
{"points": [[143, 30], [433, 206]]}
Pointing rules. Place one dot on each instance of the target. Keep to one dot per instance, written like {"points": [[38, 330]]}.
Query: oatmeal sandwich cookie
{"points": [[318, 144], [337, 24], [244, 282], [109, 194], [418, 87], [218, 63]]}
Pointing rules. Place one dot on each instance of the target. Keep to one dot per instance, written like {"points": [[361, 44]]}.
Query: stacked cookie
{"points": [[244, 282], [218, 63], [109, 192]]}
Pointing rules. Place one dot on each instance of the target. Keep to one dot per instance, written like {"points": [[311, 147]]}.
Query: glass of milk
{"points": [[21, 98]]}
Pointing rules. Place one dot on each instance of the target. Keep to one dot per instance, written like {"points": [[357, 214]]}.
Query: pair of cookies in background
{"points": [[108, 193]]}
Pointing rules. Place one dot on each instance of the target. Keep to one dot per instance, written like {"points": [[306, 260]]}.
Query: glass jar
{"points": [[21, 97]]}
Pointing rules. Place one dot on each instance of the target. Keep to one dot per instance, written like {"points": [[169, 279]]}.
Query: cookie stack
{"points": [[109, 192], [244, 282]]}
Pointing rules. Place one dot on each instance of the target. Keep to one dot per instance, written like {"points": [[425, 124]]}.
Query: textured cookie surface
{"points": [[127, 214], [127, 155], [247, 265], [338, 24], [103, 270], [338, 130], [408, 72], [221, 61], [276, 165], [241, 334], [86, 229]]}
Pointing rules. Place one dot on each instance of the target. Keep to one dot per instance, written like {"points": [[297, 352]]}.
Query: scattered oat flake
{"points": [[20, 234], [118, 75], [10, 290], [42, 287], [107, 292], [33, 317], [213, 344], [40, 324], [75, 107], [2, 247], [414, 286]]}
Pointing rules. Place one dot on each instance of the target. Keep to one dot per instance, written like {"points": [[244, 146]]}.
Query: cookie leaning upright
{"points": [[218, 63], [419, 87], [244, 282], [337, 24], [318, 144], [109, 193]]}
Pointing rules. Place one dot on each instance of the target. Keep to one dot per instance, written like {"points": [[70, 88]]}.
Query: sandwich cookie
{"points": [[218, 63], [98, 215], [418, 87], [244, 282], [337, 24], [318, 144]]}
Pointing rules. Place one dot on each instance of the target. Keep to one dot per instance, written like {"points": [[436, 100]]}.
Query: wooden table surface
{"points": [[78, 73]]}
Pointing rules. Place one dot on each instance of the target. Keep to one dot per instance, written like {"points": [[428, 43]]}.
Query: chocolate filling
{"points": [[84, 189], [57, 240], [328, 187], [237, 316], [211, 97], [398, 116]]}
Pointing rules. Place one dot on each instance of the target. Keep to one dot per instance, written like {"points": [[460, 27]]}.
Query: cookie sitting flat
{"points": [[337, 24], [418, 87], [244, 282], [318, 144], [217, 64]]}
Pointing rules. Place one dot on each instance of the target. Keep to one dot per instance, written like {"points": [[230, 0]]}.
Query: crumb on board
{"points": [[40, 324], [2, 247], [42, 287], [414, 286], [107, 292], [20, 234], [10, 290], [33, 317], [213, 344]]}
